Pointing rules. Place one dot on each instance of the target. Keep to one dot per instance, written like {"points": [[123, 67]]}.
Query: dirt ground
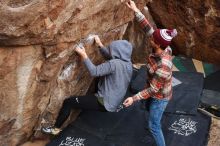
{"points": [[214, 138]]}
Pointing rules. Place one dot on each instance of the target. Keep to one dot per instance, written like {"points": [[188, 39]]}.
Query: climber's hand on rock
{"points": [[98, 41], [131, 4], [81, 51]]}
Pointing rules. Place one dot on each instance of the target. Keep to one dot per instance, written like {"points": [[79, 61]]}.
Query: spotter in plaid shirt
{"points": [[159, 68]]}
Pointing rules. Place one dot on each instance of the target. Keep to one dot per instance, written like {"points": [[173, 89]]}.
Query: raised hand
{"points": [[98, 41], [81, 51], [131, 4]]}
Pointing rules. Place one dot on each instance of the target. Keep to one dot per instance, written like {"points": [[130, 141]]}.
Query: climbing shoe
{"points": [[51, 130]]}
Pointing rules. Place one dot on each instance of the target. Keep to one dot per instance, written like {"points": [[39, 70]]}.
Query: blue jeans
{"points": [[156, 109]]}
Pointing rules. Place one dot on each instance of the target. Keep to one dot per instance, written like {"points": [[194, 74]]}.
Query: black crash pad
{"points": [[186, 130], [93, 128], [212, 81], [129, 128], [211, 98], [139, 80], [186, 96], [211, 102]]}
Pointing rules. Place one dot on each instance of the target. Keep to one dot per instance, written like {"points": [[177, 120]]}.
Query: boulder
{"points": [[38, 68], [197, 23]]}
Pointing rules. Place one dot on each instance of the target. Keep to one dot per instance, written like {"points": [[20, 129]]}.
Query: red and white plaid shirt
{"points": [[159, 69]]}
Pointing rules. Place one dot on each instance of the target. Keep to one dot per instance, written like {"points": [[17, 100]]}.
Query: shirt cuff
{"points": [[138, 96], [87, 60], [151, 31], [139, 16], [88, 63]]}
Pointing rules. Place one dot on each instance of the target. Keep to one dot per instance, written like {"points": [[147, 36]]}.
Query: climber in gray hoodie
{"points": [[115, 75]]}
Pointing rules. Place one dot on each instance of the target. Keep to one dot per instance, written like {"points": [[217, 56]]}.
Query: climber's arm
{"points": [[103, 50], [95, 71], [144, 23]]}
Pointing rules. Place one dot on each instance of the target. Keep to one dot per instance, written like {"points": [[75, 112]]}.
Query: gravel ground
{"points": [[214, 137]]}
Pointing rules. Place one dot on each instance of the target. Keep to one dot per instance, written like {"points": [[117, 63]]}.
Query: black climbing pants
{"points": [[87, 102]]}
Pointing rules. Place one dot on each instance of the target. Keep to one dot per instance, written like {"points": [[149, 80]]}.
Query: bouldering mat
{"points": [[129, 128], [187, 94]]}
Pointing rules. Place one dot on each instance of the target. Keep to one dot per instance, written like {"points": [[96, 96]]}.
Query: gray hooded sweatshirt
{"points": [[115, 74]]}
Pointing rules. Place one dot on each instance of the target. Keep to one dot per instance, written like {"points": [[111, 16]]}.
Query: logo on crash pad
{"points": [[71, 141], [184, 127]]}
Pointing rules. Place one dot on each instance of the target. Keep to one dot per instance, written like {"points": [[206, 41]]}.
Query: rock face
{"points": [[26, 22], [38, 69], [198, 24]]}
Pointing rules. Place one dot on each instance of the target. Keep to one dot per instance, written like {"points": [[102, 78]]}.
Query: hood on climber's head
{"points": [[163, 37], [121, 49]]}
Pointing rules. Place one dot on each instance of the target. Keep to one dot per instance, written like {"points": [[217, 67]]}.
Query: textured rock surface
{"points": [[198, 24], [38, 70], [26, 22]]}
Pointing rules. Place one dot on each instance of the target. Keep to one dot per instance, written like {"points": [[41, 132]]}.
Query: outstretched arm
{"points": [[144, 23], [95, 71], [163, 73]]}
